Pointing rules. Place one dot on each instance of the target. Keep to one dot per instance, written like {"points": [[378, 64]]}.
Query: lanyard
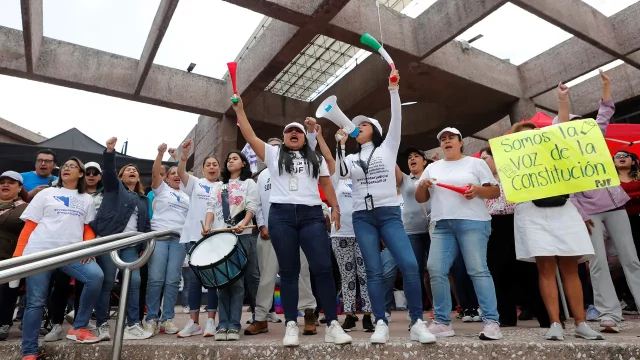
{"points": [[365, 168]]}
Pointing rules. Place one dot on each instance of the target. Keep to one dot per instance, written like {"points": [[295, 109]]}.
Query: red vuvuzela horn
{"points": [[459, 189], [233, 68]]}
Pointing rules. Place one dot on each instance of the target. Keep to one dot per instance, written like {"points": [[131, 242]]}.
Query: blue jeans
{"points": [[165, 267], [38, 290], [109, 270], [420, 244], [389, 274], [463, 284], [186, 273], [299, 226], [252, 275], [470, 238], [230, 299], [386, 223], [194, 289]]}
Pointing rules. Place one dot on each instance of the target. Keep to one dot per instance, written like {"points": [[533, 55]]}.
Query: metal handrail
{"points": [[24, 270], [14, 269], [21, 260]]}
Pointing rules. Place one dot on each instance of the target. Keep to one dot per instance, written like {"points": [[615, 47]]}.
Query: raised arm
{"points": [[247, 131], [109, 176], [326, 152], [563, 103], [312, 140], [156, 178], [182, 165], [607, 107], [399, 175], [344, 164], [392, 141]]}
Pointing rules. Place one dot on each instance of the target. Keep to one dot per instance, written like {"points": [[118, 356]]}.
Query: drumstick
{"points": [[227, 229], [203, 227]]}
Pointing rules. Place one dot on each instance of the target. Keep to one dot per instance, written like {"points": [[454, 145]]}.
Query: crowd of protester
{"points": [[476, 247]]}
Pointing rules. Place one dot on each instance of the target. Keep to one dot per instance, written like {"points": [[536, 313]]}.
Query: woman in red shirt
{"points": [[628, 167]]}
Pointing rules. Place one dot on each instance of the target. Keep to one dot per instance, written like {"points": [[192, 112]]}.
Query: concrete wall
{"points": [[14, 134]]}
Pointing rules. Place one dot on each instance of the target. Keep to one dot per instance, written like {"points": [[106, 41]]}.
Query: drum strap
{"points": [[226, 213]]}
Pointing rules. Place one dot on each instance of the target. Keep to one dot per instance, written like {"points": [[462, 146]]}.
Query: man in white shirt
{"points": [[268, 264]]}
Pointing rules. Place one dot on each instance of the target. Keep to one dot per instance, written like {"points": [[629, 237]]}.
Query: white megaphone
{"points": [[329, 110]]}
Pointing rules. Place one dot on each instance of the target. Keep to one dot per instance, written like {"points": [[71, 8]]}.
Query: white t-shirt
{"points": [[243, 195], [170, 208], [198, 191], [61, 215], [132, 224], [264, 192], [301, 188], [381, 171], [343, 193], [448, 204]]}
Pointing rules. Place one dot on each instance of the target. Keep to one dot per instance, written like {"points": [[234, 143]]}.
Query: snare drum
{"points": [[218, 259]]}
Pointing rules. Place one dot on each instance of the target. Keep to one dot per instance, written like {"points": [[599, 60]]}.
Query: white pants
{"points": [[268, 264], [604, 294]]}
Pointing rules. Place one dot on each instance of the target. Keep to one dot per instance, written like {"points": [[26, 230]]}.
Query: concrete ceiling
{"points": [[466, 88]]}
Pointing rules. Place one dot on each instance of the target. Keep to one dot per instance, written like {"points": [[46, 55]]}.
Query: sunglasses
{"points": [[93, 172], [622, 156]]}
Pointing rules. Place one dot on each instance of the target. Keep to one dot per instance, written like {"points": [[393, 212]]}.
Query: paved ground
{"points": [[522, 342]]}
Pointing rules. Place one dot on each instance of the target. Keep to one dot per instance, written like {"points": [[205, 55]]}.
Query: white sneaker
{"points": [[190, 329], [273, 317], [388, 316], [136, 332], [56, 334], [168, 327], [185, 309], [335, 334], [291, 334], [103, 332], [419, 332], [381, 335], [151, 326], [91, 326], [210, 328], [70, 317]]}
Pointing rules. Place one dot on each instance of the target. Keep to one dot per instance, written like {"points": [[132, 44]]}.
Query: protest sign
{"points": [[556, 160]]}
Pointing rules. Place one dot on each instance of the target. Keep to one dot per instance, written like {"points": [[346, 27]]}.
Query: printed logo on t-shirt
{"points": [[267, 186], [350, 185], [206, 188], [72, 206], [181, 202]]}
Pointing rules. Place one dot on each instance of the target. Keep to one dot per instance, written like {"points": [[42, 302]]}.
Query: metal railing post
{"points": [[127, 268], [563, 298]]}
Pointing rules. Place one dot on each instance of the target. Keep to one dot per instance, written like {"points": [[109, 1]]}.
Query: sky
{"points": [[209, 33]]}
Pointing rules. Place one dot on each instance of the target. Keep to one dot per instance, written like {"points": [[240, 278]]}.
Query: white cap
{"points": [[93, 164], [12, 175], [297, 125], [361, 118], [449, 129]]}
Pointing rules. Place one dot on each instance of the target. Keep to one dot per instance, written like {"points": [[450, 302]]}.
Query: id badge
{"points": [[368, 201], [293, 183]]}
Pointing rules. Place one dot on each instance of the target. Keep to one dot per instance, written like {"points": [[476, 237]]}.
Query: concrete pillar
{"points": [[228, 135], [522, 109]]}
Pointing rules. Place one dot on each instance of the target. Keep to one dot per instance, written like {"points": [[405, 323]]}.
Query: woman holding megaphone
{"points": [[376, 214], [296, 221]]}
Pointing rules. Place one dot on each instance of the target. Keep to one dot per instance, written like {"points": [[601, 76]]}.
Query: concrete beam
{"points": [[281, 42], [32, 31], [445, 19], [575, 57], [585, 97], [88, 69], [154, 39]]}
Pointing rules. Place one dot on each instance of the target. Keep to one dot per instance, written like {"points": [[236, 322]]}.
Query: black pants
{"points": [[59, 297], [8, 298], [516, 281]]}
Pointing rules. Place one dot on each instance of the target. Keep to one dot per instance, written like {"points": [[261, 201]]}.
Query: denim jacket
{"points": [[118, 203], [600, 200]]}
